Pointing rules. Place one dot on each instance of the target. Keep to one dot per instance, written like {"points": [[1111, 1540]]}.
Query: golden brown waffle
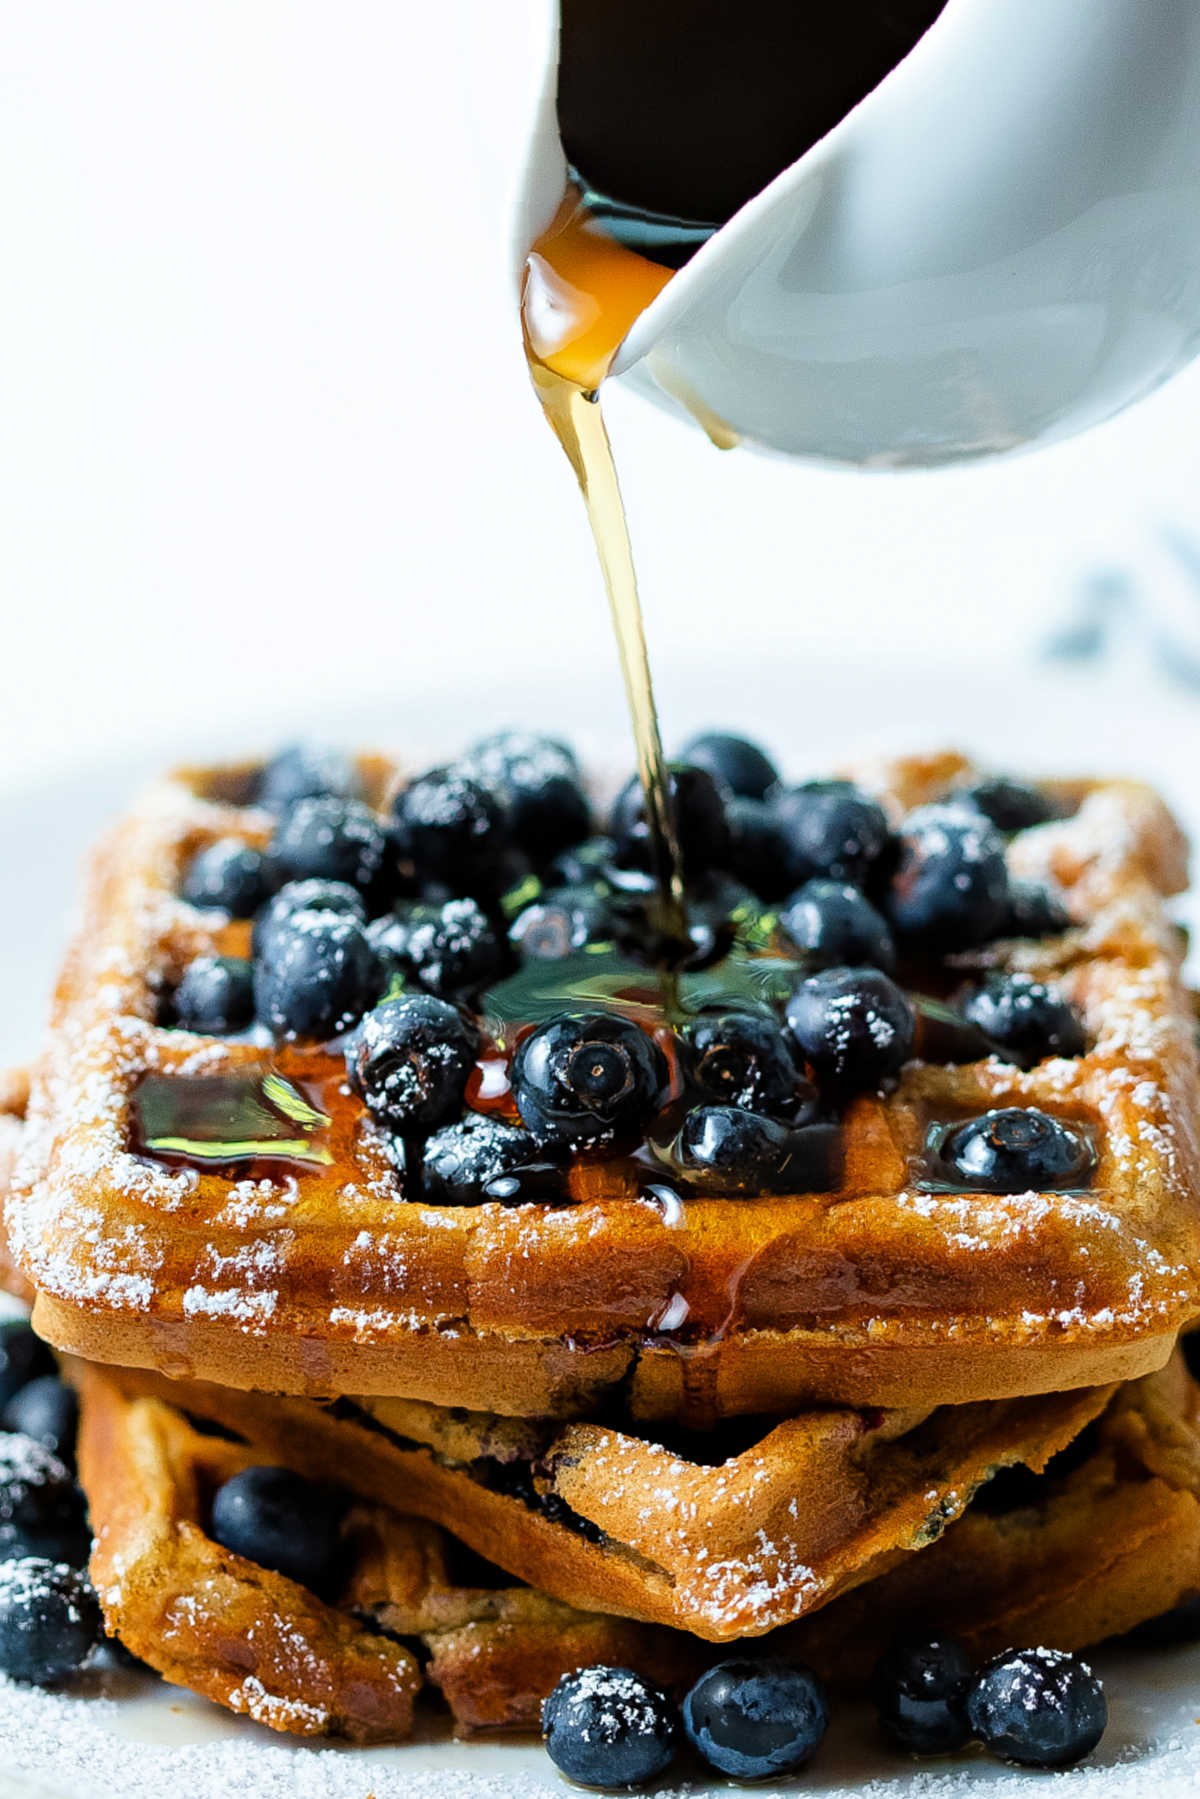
{"points": [[1088, 1552], [259, 1644], [205, 1618], [881, 1292], [727, 1547]]}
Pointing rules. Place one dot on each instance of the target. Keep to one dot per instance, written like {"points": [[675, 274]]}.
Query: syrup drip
{"points": [[581, 294]]}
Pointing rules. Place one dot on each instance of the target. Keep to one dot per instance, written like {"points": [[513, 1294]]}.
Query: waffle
{"points": [[1085, 1553], [259, 1644], [721, 1540], [883, 1292]]}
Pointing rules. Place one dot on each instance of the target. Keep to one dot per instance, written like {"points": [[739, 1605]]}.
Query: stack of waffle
{"points": [[620, 1425]]}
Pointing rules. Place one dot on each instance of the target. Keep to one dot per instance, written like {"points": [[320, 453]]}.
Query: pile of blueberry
{"points": [[50, 1619], [757, 1718], [383, 933]]}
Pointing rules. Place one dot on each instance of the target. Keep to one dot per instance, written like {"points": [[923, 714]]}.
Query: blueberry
{"points": [[746, 770], [329, 839], [317, 976], [464, 1159], [452, 826], [215, 996], [538, 781], [50, 1621], [755, 1720], [1040, 1708], [23, 1357], [609, 1727], [229, 874], [409, 1059], [759, 854], [1016, 1150], [920, 1690], [831, 828], [1025, 1019], [589, 1080], [950, 886], [282, 1522], [41, 1508], [560, 922], [449, 950], [305, 771], [47, 1411], [1009, 805], [724, 1149], [740, 1059], [305, 896], [587, 864], [698, 805], [853, 1025], [1033, 911], [835, 924]]}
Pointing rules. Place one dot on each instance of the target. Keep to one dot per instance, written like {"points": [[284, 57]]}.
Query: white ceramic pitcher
{"points": [[999, 246]]}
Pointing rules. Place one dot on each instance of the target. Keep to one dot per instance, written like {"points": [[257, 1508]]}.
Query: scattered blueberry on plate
{"points": [[609, 1728], [920, 1687], [755, 1719], [49, 1621], [1039, 1708]]}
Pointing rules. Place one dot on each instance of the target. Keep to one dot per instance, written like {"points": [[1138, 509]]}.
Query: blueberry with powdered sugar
{"points": [[833, 925], [41, 1508], [539, 783], [609, 1728], [50, 1620], [757, 1719], [48, 1411], [949, 888], [831, 829], [304, 896], [303, 771], [316, 976], [1039, 1708], [409, 1060], [215, 996], [450, 950], [853, 1025], [452, 828], [1024, 1018], [920, 1686], [228, 875], [742, 1059], [478, 1158], [329, 839]]}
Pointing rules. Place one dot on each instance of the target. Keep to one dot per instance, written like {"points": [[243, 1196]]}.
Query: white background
{"points": [[267, 450]]}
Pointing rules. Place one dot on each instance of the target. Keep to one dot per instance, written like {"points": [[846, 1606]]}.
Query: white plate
{"points": [[138, 1738]]}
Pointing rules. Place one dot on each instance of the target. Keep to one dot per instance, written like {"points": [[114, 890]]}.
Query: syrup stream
{"points": [[581, 294]]}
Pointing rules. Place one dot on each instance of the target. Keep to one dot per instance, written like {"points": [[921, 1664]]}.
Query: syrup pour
{"points": [[251, 1115], [582, 292]]}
